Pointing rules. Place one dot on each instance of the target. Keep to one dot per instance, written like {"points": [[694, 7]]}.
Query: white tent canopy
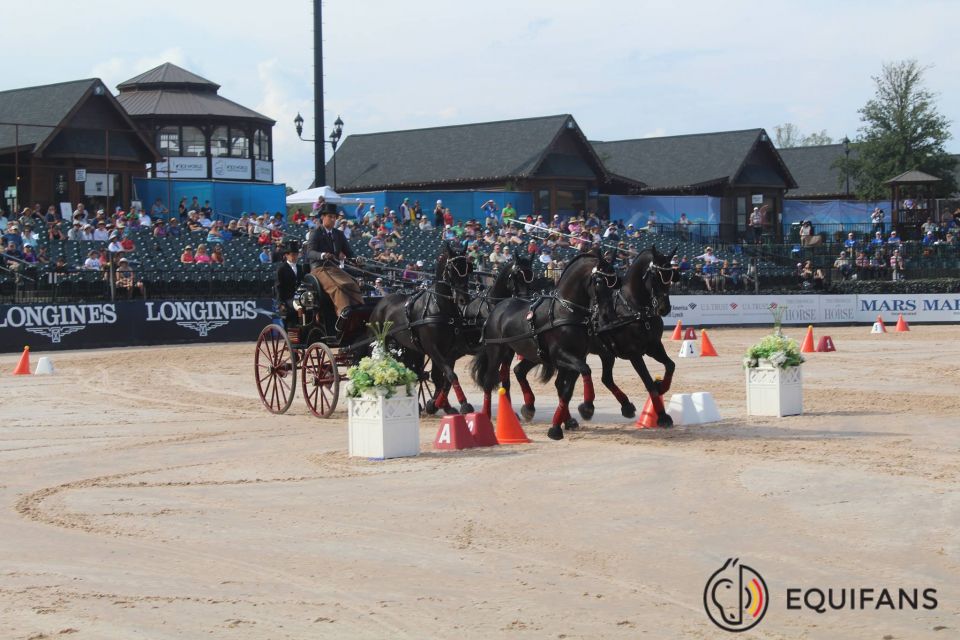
{"points": [[312, 195]]}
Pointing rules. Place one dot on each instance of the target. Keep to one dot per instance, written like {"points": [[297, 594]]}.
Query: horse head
{"points": [[521, 275], [723, 593], [650, 278], [454, 268]]}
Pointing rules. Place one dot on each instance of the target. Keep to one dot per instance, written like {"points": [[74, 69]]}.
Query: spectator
{"points": [[806, 233], [100, 234], [28, 254], [13, 256], [126, 281], [115, 246], [216, 256], [158, 210], [843, 266], [497, 257], [683, 227], [877, 219], [929, 239], [265, 257], [707, 256], [127, 243], [490, 208], [893, 240], [877, 241], [42, 256], [12, 236], [75, 232], [929, 227], [201, 256], [438, 215], [447, 217], [159, 230], [92, 263], [735, 275], [213, 235], [29, 237], [380, 289], [545, 256], [806, 275], [756, 224], [896, 266], [80, 213], [187, 256], [52, 220], [406, 211], [508, 214], [145, 220], [173, 229]]}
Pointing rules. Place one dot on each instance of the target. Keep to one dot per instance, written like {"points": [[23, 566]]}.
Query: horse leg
{"points": [[528, 410], [555, 432], [575, 366], [586, 407], [627, 408], [439, 399], [653, 388], [659, 353]]}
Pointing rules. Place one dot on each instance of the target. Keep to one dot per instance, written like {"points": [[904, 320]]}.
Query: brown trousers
{"points": [[341, 288]]}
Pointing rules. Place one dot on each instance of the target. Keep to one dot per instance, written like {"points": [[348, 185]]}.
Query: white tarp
{"points": [[312, 195]]}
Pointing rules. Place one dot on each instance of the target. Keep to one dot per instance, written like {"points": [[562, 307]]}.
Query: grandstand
{"points": [[156, 261]]}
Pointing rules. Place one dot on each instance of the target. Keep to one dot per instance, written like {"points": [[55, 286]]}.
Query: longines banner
{"points": [[121, 324], [812, 309]]}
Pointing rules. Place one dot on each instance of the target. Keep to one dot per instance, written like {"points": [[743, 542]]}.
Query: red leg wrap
{"points": [[461, 398], [588, 392], [486, 404]]}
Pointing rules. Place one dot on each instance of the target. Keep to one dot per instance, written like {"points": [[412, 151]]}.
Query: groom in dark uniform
{"points": [[289, 275], [326, 247]]}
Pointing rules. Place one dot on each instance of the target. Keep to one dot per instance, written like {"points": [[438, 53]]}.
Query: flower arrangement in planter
{"points": [[379, 373], [774, 379], [382, 422]]}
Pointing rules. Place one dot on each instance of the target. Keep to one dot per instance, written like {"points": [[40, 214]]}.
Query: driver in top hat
{"points": [[326, 247]]}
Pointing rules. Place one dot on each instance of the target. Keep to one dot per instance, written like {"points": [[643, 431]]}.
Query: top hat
{"points": [[292, 246]]}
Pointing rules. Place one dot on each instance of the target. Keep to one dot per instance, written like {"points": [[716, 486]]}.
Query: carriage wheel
{"points": [[426, 389], [320, 381], [275, 369]]}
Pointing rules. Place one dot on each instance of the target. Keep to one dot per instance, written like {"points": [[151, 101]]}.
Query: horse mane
{"points": [[593, 253]]}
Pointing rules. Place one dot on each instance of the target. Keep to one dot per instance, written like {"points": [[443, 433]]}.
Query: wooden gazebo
{"points": [[912, 202]]}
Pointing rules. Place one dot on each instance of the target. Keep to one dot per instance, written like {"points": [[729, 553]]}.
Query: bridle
{"points": [[516, 269], [655, 268]]}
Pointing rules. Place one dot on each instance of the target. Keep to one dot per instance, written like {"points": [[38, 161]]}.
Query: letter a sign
{"points": [[444, 436]]}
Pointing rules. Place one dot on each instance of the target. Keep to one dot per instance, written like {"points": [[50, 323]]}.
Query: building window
{"points": [[239, 143], [168, 141], [571, 200], [194, 142], [542, 201], [219, 142], [261, 145]]}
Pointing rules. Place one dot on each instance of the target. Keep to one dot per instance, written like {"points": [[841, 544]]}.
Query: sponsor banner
{"points": [[130, 323], [189, 167], [800, 309], [263, 170], [915, 307], [231, 168]]}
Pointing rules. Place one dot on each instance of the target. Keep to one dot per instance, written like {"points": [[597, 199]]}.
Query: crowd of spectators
{"points": [[492, 237]]}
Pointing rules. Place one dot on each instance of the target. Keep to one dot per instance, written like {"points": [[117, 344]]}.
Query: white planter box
{"points": [[772, 391], [382, 427]]}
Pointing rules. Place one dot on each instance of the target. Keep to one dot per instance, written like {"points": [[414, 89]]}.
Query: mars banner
{"points": [[125, 324]]}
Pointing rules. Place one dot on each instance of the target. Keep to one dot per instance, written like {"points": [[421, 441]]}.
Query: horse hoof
{"points": [[528, 411], [665, 421], [431, 407], [466, 408], [628, 410], [571, 424], [586, 410], [555, 433]]}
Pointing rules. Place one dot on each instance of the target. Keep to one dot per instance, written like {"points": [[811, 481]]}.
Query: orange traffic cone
{"points": [[23, 367], [509, 430], [648, 417], [902, 324], [880, 322], [706, 347], [807, 346], [677, 332]]}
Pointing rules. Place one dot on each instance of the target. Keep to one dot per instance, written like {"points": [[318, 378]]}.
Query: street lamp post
{"points": [[334, 140], [846, 166]]}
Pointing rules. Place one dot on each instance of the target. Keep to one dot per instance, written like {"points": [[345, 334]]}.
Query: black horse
{"points": [[513, 280], [429, 322], [630, 326], [550, 331]]}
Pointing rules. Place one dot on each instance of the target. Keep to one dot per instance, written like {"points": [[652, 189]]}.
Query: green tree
{"points": [[901, 130], [788, 135]]}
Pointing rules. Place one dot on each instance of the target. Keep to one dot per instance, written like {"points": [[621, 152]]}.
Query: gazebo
{"points": [[912, 201]]}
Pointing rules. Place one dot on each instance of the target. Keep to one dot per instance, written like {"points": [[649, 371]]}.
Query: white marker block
{"points": [[706, 407], [688, 349], [44, 367]]}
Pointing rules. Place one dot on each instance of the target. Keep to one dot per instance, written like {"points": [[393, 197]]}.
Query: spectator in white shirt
{"points": [[100, 234], [92, 262], [707, 256]]}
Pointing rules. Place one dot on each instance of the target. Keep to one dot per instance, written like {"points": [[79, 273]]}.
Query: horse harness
{"points": [[581, 316]]}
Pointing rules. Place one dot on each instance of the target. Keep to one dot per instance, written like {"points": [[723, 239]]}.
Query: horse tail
{"points": [[479, 366], [547, 369]]}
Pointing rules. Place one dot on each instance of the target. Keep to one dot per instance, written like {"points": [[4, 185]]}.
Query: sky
{"points": [[623, 68]]}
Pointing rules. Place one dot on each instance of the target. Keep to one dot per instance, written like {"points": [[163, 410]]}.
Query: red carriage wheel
{"points": [[426, 389], [320, 380], [275, 369]]}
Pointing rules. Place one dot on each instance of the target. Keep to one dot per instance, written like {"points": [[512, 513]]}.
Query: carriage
{"points": [[306, 343]]}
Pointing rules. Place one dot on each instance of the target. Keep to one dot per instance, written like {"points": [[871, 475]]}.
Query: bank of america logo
{"points": [[203, 327], [56, 333]]}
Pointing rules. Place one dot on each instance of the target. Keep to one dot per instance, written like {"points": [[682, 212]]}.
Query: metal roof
{"points": [[469, 153], [694, 160], [167, 74], [45, 105], [176, 102]]}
